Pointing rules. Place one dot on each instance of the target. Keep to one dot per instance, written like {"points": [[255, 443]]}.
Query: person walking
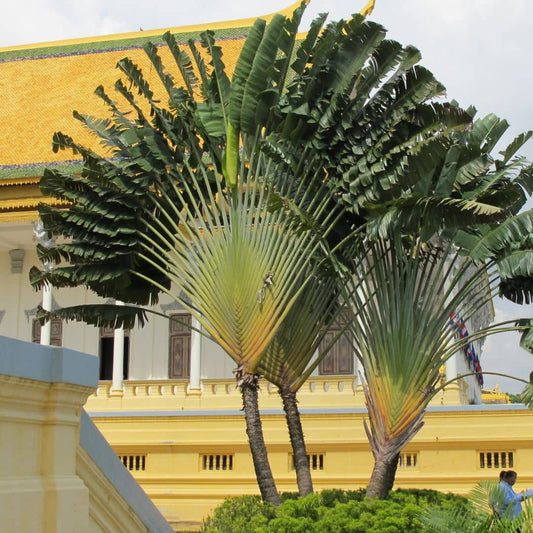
{"points": [[509, 504]]}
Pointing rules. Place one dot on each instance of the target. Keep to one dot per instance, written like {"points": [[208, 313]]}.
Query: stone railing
{"points": [[317, 392], [216, 394], [49, 481]]}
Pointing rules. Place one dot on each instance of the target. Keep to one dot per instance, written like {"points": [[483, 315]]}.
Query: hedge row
{"points": [[334, 511]]}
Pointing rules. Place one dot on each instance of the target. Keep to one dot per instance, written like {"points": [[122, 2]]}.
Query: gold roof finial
{"points": [[368, 8]]}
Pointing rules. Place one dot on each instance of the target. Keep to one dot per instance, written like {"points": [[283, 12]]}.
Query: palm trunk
{"points": [[386, 441], [254, 429], [383, 475], [301, 461]]}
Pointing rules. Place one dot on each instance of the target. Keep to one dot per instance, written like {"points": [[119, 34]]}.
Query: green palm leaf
{"points": [[402, 330]]}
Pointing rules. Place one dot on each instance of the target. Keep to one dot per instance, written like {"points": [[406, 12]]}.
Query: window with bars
{"points": [[408, 460], [133, 462], [316, 461], [216, 461], [496, 460], [340, 359]]}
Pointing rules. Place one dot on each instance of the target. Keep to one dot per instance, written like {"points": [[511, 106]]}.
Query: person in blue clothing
{"points": [[509, 502]]}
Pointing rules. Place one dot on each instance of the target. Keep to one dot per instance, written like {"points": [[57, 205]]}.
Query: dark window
{"points": [[179, 346], [408, 460], [315, 460], [216, 462], [340, 358], [106, 353], [133, 462], [496, 460], [56, 332]]}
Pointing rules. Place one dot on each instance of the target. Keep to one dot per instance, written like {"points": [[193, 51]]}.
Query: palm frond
{"points": [[402, 300], [498, 238], [99, 315]]}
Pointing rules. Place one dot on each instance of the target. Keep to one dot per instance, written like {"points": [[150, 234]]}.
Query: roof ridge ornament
{"points": [[368, 8]]}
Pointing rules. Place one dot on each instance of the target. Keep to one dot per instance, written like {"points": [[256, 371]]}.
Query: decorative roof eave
{"points": [[29, 180], [16, 205], [26, 167], [19, 196]]}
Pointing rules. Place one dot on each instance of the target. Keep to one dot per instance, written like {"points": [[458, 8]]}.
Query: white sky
{"points": [[479, 49]]}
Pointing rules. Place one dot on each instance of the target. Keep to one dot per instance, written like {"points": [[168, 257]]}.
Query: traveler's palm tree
{"points": [[183, 207], [403, 294], [467, 189], [296, 350], [224, 198]]}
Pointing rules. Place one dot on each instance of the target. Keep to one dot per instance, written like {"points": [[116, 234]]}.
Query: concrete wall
{"points": [[49, 482]]}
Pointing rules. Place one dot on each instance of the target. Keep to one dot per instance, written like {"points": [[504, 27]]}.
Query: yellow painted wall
{"points": [[173, 431], [39, 489], [50, 480]]}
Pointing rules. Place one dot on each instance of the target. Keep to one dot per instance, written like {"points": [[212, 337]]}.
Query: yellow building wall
{"points": [[171, 442], [49, 481], [39, 488]]}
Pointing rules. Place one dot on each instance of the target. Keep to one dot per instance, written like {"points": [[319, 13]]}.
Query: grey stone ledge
{"points": [[50, 364]]}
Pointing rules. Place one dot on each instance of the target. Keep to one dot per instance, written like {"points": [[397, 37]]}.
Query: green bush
{"points": [[240, 515], [334, 511]]}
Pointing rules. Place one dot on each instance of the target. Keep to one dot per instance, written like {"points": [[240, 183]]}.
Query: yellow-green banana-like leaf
{"points": [[294, 352], [237, 265]]}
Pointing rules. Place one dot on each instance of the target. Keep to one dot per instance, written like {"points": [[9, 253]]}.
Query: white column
{"points": [[118, 357], [41, 235], [451, 367], [195, 363], [46, 329]]}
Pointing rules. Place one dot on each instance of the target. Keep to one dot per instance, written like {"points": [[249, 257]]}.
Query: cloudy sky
{"points": [[479, 49]]}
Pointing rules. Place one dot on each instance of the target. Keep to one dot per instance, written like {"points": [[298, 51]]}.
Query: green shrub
{"points": [[334, 511], [240, 515]]}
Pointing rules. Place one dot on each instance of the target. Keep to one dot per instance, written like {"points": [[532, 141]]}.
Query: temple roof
{"points": [[42, 84]]}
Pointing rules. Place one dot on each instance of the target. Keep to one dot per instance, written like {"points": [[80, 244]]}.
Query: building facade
{"points": [[167, 400]]}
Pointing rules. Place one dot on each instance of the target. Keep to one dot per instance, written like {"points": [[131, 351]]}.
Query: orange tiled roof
{"points": [[41, 85]]}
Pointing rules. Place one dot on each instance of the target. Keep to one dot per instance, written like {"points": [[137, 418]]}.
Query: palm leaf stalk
{"points": [[295, 352], [402, 300]]}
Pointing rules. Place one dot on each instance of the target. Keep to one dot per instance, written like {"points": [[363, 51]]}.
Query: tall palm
{"points": [[463, 186], [296, 350], [183, 207], [233, 180], [403, 294]]}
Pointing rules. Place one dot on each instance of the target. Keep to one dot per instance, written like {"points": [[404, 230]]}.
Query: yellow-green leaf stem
{"points": [[230, 161]]}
